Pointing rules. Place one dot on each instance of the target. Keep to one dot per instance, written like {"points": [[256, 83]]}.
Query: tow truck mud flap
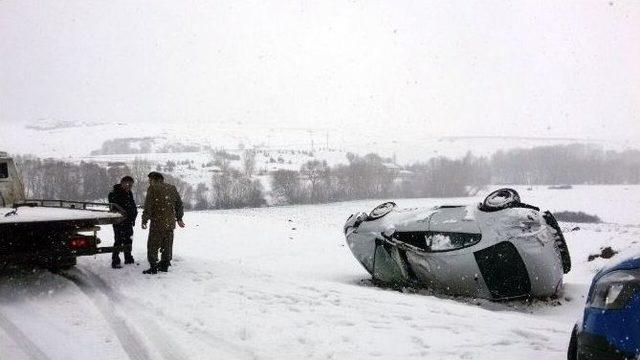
{"points": [[101, 250], [47, 255], [110, 249], [389, 266], [503, 271]]}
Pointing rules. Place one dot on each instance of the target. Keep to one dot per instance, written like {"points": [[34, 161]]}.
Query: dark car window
{"points": [[387, 267], [4, 171], [445, 241], [438, 241]]}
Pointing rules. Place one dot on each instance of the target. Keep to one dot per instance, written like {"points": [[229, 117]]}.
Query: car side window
{"points": [[445, 241], [438, 241], [4, 171]]}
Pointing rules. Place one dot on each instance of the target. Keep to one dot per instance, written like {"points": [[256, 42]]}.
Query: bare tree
{"points": [[95, 183], [31, 172], [315, 171], [139, 170], [249, 162], [231, 189], [201, 197], [286, 186]]}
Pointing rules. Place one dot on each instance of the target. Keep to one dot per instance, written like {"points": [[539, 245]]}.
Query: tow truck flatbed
{"points": [[20, 214]]}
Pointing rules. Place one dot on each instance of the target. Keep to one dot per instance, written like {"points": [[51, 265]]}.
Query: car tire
{"points": [[572, 351], [381, 210], [500, 199]]}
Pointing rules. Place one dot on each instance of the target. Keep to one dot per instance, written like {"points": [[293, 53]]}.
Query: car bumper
{"points": [[596, 347]]}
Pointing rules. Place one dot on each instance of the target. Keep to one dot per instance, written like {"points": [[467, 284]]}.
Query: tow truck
{"points": [[47, 232]]}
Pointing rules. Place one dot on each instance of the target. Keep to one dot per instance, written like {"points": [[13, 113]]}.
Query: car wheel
{"points": [[572, 351], [381, 210], [500, 199]]}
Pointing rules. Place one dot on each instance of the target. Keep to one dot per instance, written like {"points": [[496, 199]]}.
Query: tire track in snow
{"points": [[135, 307], [169, 349], [130, 340], [207, 338], [21, 339]]}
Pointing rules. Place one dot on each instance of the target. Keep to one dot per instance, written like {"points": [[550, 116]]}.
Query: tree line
{"points": [[87, 181], [566, 164], [361, 177], [371, 176]]}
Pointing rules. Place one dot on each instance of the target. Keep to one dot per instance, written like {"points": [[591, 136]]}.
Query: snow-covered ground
{"points": [[279, 283]]}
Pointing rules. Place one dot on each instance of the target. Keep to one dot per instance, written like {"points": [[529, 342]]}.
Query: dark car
{"points": [[610, 327]]}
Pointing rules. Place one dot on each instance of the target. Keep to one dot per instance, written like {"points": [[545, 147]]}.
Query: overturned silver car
{"points": [[499, 249]]}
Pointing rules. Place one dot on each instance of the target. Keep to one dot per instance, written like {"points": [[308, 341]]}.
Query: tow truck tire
{"points": [[572, 351], [62, 264]]}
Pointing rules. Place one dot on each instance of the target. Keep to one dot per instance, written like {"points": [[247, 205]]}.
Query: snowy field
{"points": [[408, 144], [280, 283]]}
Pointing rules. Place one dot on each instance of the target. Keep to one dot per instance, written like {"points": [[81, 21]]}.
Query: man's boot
{"points": [[128, 258], [153, 269], [163, 266], [115, 261]]}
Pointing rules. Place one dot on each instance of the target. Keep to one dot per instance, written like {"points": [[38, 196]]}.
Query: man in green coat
{"points": [[163, 207]]}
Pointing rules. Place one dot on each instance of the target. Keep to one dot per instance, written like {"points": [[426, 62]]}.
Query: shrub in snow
{"points": [[233, 189], [577, 217], [605, 253], [560, 187]]}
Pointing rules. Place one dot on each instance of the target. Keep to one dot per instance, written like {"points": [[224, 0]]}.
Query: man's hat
{"points": [[154, 175]]}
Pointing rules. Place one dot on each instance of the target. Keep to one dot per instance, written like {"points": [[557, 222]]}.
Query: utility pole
{"points": [[311, 138]]}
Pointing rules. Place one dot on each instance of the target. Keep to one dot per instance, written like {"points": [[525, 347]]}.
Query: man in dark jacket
{"points": [[163, 206], [123, 231]]}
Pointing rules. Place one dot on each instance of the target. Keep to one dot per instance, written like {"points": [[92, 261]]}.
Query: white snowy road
{"points": [[279, 283]]}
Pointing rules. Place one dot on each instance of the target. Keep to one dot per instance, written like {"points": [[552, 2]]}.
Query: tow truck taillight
{"points": [[80, 241]]}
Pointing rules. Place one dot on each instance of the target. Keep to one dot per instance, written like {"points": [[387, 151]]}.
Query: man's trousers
{"points": [[160, 240]]}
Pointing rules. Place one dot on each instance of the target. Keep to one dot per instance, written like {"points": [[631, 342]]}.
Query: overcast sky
{"points": [[457, 68]]}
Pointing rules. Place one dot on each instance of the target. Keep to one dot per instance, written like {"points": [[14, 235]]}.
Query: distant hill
{"points": [[76, 140]]}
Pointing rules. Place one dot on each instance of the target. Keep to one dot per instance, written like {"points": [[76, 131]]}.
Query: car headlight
{"points": [[614, 290]]}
